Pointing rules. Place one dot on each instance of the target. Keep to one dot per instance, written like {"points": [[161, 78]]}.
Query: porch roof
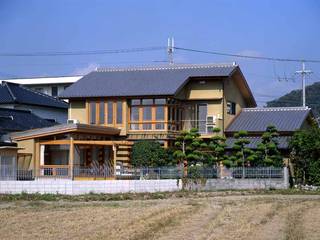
{"points": [[64, 128]]}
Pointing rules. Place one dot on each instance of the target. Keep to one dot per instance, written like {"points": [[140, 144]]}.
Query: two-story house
{"points": [[110, 108]]}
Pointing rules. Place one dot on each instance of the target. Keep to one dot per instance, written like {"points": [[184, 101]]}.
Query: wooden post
{"points": [[71, 157], [36, 158], [114, 148]]}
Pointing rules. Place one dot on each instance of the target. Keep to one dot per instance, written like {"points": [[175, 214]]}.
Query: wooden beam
{"points": [[109, 143], [55, 142]]}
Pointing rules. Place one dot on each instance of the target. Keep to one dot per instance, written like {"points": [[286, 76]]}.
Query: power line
{"points": [[79, 53], [248, 56]]}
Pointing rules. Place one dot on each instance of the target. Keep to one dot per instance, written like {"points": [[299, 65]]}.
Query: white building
{"points": [[52, 86]]}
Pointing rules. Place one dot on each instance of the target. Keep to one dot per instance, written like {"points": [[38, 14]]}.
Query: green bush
{"points": [[149, 154], [305, 156]]}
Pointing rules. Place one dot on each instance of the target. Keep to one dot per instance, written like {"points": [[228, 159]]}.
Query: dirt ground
{"points": [[211, 217]]}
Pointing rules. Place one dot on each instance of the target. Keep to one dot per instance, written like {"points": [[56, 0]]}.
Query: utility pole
{"points": [[303, 73], [170, 50]]}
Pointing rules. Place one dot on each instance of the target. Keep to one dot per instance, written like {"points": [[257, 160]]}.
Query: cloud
{"points": [[85, 70]]}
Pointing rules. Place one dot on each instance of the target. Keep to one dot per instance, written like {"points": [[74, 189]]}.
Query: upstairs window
{"points": [[93, 111], [101, 112], [231, 108], [119, 112], [110, 112], [54, 91]]}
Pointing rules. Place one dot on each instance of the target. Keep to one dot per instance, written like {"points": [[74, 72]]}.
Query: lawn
{"points": [[206, 215]]}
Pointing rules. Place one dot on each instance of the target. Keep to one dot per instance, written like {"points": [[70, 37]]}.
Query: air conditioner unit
{"points": [[211, 120], [73, 121]]}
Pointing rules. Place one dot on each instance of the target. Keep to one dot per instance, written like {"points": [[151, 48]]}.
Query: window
{"points": [[119, 112], [110, 112], [147, 116], [101, 112], [54, 91], [134, 117], [160, 101], [160, 117], [135, 102], [231, 108], [92, 112], [147, 101]]}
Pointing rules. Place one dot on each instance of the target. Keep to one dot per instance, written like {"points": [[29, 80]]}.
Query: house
{"points": [[14, 120], [287, 120], [51, 86], [112, 107], [15, 96]]}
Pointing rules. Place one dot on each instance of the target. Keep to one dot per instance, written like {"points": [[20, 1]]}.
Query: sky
{"points": [[271, 28]]}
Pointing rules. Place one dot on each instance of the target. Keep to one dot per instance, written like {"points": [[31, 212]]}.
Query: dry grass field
{"points": [[211, 216]]}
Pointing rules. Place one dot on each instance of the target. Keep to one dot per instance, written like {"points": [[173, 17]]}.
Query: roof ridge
{"points": [[43, 94], [15, 110], [10, 91], [164, 67], [266, 109]]}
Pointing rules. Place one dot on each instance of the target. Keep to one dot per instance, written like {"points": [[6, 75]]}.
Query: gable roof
{"points": [[285, 119], [12, 120], [14, 93], [143, 81]]}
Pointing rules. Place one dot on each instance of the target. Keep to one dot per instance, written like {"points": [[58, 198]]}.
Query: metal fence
{"points": [[201, 172], [169, 172]]}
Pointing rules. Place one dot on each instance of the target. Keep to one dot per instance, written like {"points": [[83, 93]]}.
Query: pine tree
{"points": [[267, 151], [217, 148]]}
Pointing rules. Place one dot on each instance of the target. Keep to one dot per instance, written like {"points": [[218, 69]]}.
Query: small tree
{"points": [[189, 147], [148, 154], [217, 147], [305, 156], [267, 151], [242, 154]]}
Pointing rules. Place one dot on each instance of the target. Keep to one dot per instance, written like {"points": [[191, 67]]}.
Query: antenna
{"points": [[170, 49], [303, 73]]}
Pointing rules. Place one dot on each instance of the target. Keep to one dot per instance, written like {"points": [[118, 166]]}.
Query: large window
{"points": [[147, 114], [105, 112]]}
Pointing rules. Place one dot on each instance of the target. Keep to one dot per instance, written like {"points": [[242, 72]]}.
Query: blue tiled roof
{"points": [[285, 119], [283, 142], [147, 81], [14, 93], [12, 120]]}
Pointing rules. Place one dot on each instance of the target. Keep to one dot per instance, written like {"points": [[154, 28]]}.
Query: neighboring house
{"points": [[52, 86], [113, 107], [287, 120], [14, 96], [13, 120]]}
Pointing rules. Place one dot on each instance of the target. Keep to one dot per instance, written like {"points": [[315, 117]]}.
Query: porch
{"points": [[75, 151]]}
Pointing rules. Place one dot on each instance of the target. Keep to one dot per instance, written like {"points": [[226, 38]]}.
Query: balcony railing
{"points": [[93, 172], [203, 126], [57, 171]]}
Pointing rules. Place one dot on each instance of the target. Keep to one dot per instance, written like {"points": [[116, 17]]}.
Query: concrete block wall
{"points": [[84, 187]]}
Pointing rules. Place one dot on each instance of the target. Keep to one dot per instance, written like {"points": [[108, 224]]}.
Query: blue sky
{"points": [[288, 28]]}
